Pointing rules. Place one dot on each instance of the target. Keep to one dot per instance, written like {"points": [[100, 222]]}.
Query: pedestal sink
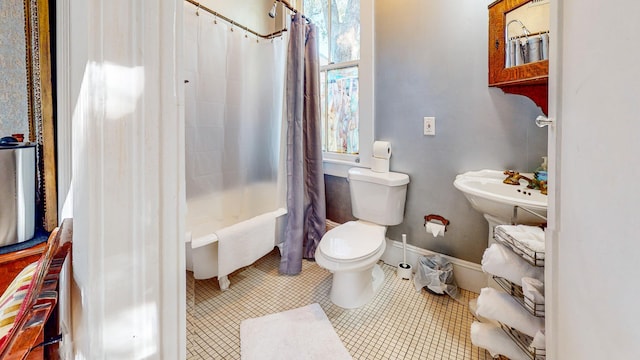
{"points": [[489, 195]]}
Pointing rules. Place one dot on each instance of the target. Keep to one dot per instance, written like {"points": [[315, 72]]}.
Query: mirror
{"points": [[526, 33], [26, 100]]}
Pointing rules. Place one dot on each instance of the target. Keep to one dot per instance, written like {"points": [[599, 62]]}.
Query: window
{"points": [[345, 30]]}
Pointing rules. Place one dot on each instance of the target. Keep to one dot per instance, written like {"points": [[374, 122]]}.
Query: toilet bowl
{"points": [[351, 251]]}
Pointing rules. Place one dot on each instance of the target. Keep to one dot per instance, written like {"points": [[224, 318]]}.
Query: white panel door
{"points": [[593, 243]]}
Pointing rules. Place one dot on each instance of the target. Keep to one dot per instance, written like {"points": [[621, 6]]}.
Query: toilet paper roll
{"points": [[382, 149], [435, 229], [380, 165]]}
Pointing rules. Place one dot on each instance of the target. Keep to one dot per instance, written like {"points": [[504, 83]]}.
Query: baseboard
{"points": [[468, 275]]}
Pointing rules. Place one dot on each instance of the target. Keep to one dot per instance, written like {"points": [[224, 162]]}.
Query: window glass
{"points": [[345, 30], [338, 23], [342, 111], [323, 108], [318, 12]]}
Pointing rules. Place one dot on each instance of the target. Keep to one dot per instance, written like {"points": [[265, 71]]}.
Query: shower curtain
{"points": [[305, 178], [233, 113]]}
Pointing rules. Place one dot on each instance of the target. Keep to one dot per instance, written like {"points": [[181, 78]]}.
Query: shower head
{"points": [[272, 12], [525, 31]]}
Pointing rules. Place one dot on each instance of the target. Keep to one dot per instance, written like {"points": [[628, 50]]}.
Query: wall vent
{"points": [[538, 2]]}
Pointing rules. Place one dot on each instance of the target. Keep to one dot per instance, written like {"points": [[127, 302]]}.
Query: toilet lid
{"points": [[352, 240]]}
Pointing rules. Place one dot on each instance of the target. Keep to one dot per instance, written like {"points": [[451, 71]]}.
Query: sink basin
{"points": [[489, 195]]}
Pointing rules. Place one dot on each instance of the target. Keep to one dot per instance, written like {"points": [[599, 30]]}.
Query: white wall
{"points": [[595, 93], [120, 90], [250, 13]]}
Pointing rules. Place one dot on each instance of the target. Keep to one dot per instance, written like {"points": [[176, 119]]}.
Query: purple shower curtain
{"points": [[305, 178]]}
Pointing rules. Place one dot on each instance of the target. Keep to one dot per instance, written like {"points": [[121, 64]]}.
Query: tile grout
{"points": [[399, 323]]}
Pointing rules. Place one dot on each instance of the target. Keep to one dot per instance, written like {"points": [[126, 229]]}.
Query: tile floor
{"points": [[399, 323]]}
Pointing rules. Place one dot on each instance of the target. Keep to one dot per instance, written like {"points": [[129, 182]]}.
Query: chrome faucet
{"points": [[513, 178]]}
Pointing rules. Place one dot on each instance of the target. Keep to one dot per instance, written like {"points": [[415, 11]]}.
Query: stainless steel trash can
{"points": [[17, 193]]}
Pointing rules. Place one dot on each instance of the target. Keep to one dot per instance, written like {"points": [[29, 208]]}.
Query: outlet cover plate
{"points": [[430, 126]]}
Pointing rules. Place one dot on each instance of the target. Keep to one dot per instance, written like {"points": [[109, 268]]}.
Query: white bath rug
{"points": [[303, 334]]}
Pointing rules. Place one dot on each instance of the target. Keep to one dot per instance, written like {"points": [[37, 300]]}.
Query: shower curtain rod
{"points": [[234, 23], [293, 10]]}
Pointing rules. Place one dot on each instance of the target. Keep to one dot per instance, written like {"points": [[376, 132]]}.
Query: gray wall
{"points": [[431, 60], [338, 199]]}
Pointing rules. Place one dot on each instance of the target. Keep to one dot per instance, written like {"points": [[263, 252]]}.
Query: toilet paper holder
{"points": [[430, 217]]}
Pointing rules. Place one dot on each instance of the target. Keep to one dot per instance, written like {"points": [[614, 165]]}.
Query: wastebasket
{"points": [[435, 273]]}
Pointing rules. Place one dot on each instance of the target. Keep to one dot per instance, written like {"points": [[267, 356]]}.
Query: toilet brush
{"points": [[404, 269]]}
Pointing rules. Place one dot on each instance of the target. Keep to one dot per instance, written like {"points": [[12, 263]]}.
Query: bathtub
{"points": [[244, 238]]}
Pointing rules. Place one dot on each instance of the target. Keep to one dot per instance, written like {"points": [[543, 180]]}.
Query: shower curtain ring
{"points": [[198, 10]]}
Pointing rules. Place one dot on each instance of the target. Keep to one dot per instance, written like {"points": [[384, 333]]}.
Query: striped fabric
{"points": [[12, 299]]}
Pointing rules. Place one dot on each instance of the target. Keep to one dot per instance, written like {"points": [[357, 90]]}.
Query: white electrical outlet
{"points": [[429, 126]]}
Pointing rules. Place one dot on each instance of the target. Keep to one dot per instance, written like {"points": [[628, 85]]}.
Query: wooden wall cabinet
{"points": [[530, 79]]}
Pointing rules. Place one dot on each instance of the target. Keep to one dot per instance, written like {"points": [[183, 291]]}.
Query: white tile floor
{"points": [[399, 323]]}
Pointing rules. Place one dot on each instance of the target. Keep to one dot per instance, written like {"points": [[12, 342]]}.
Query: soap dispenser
{"points": [[541, 172]]}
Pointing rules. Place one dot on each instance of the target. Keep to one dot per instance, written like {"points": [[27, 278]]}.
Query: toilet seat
{"points": [[352, 241]]}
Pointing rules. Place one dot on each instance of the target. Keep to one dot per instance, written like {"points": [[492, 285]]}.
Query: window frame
{"points": [[338, 164]]}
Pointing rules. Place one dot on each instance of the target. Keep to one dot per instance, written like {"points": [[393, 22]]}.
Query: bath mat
{"points": [[303, 334]]}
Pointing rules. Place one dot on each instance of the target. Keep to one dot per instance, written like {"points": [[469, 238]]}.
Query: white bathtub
{"points": [[205, 221]]}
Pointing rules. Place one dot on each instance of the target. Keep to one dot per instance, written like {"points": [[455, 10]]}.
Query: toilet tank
{"points": [[378, 197]]}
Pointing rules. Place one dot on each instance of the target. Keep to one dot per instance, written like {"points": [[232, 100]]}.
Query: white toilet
{"points": [[351, 250]]}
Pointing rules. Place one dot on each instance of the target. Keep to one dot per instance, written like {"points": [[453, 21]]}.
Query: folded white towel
{"points": [[500, 306], [473, 308], [243, 243], [494, 339], [533, 290], [538, 342], [532, 237], [532, 234], [500, 261]]}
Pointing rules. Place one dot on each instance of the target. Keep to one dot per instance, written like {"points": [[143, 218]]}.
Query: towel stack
{"points": [[500, 261], [497, 307], [526, 241]]}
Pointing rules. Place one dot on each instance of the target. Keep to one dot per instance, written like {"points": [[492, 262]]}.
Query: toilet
{"points": [[351, 251]]}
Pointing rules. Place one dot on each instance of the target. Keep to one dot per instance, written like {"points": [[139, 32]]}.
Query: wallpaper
{"points": [[13, 76]]}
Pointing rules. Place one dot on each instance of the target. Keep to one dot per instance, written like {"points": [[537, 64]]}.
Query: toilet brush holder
{"points": [[404, 270]]}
